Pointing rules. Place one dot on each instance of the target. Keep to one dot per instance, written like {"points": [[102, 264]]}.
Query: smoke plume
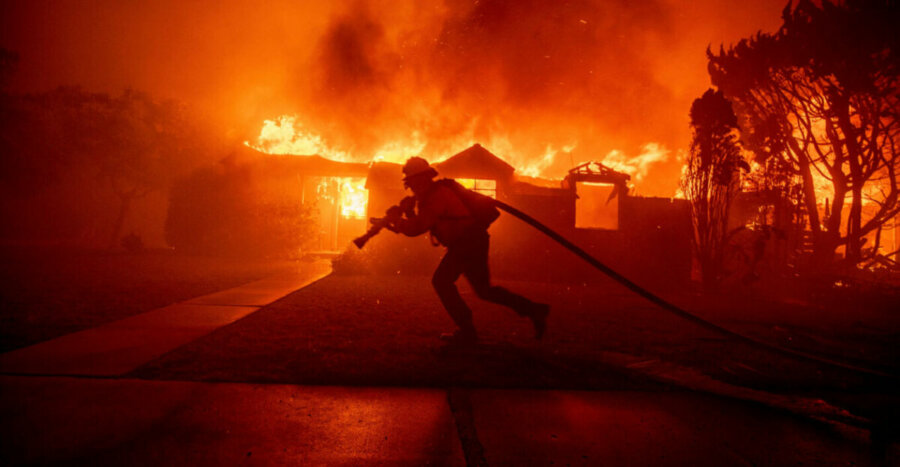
{"points": [[545, 85]]}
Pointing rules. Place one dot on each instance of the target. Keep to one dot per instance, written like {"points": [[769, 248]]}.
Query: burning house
{"points": [[333, 190], [646, 238]]}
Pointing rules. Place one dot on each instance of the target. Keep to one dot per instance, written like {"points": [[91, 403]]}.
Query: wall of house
{"points": [[652, 245], [658, 240]]}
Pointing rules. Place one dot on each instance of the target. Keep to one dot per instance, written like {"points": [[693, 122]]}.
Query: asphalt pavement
{"points": [[68, 401]]}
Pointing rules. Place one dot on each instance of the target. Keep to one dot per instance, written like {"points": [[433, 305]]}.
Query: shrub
{"points": [[221, 211]]}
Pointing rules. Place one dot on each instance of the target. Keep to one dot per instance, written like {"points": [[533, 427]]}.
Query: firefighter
{"points": [[440, 209]]}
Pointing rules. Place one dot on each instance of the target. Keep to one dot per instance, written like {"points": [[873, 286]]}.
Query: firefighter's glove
{"points": [[393, 217], [394, 212], [408, 206]]}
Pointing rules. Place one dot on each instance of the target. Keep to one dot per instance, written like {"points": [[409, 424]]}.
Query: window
{"points": [[480, 185], [594, 209]]}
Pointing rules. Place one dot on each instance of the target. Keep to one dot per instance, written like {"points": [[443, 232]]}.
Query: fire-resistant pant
{"points": [[469, 257]]}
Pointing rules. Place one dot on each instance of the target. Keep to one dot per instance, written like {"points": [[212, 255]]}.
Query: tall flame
{"points": [[288, 135], [354, 198], [638, 166], [536, 168]]}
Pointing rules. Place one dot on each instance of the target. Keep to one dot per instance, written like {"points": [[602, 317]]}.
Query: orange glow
{"points": [[386, 80], [399, 151], [349, 193], [537, 167], [638, 166], [285, 135], [289, 136], [485, 187], [822, 182], [595, 208], [354, 198]]}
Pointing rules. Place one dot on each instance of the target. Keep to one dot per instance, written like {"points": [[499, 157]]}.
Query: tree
{"points": [[711, 179], [8, 62], [138, 145], [223, 210], [822, 94], [75, 161], [131, 144]]}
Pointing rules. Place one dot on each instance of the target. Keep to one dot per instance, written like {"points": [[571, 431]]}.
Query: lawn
{"points": [[48, 292], [383, 330]]}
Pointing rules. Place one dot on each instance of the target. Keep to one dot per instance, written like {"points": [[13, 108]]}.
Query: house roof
{"points": [[596, 172], [313, 165], [475, 162]]}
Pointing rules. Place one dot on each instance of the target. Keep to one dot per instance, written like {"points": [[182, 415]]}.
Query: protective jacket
{"points": [[440, 211]]}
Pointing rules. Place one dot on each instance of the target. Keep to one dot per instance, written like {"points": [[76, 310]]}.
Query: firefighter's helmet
{"points": [[416, 166]]}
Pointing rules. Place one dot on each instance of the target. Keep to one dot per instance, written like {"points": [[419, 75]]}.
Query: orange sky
{"points": [[596, 75]]}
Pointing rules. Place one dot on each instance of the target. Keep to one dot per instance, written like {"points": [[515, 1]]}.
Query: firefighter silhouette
{"points": [[458, 219]]}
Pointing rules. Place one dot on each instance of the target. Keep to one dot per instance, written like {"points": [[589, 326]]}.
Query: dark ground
{"points": [[367, 330], [48, 292]]}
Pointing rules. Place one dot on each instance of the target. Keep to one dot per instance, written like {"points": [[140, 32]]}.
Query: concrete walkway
{"points": [[119, 347]]}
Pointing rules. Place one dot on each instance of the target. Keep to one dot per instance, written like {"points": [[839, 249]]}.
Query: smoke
{"points": [[379, 77], [534, 72], [517, 76]]}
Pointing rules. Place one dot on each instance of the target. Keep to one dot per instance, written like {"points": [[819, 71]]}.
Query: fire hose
{"points": [[380, 223], [674, 309]]}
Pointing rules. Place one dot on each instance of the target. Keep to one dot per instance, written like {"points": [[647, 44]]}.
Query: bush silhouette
{"points": [[222, 211]]}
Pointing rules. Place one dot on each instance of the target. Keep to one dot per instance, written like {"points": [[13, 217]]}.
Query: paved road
{"points": [[66, 401], [138, 422]]}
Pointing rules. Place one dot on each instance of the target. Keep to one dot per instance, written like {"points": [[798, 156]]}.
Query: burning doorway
{"points": [[599, 191], [341, 204]]}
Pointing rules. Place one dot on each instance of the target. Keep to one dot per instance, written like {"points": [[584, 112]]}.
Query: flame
{"points": [[287, 135], [399, 151], [822, 182], [349, 194], [537, 168], [354, 198], [638, 166]]}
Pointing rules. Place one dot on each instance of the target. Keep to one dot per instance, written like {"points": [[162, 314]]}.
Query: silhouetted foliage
{"points": [[8, 62], [222, 211], [822, 95], [75, 161], [132, 243], [711, 179]]}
